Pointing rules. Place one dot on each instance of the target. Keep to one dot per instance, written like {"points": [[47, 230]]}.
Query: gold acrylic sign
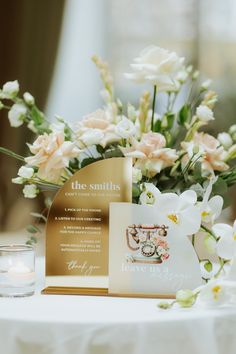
{"points": [[77, 233]]}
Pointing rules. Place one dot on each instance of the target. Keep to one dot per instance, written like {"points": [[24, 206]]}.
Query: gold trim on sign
{"points": [[60, 290]]}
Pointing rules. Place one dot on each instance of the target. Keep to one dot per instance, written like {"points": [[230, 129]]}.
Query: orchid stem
{"points": [[153, 107]]}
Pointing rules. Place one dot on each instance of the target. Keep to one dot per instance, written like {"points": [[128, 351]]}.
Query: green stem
{"points": [[11, 154], [153, 107], [204, 228]]}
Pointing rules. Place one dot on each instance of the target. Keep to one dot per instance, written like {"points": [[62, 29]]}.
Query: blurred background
{"points": [[47, 45]]}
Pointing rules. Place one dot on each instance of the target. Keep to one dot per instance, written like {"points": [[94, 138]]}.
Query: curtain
{"points": [[29, 37]]}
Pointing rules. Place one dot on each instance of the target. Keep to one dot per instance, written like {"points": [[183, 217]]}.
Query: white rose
{"points": [[17, 114], [125, 128], [92, 137], [158, 66], [18, 180], [26, 172], [10, 89], [204, 113], [225, 140], [29, 99], [30, 191], [136, 175]]}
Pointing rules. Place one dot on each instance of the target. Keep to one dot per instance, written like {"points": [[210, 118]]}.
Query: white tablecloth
{"points": [[44, 324]]}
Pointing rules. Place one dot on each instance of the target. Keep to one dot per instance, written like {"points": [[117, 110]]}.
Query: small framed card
{"points": [[144, 257]]}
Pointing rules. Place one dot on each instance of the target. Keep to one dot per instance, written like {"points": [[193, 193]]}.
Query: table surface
{"points": [[58, 324]]}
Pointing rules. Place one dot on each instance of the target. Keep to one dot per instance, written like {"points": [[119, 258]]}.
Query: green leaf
{"points": [[113, 153], [88, 161], [157, 126], [100, 149], [37, 115], [32, 229], [135, 190], [197, 171], [219, 187], [208, 266], [168, 121], [184, 114]]}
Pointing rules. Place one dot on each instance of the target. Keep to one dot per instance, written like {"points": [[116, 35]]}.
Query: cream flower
{"points": [[150, 194], [10, 89], [26, 172], [157, 66], [226, 246], [28, 98], [180, 213], [125, 128], [97, 128], [17, 115], [30, 191], [212, 154], [204, 113], [225, 140], [52, 155], [136, 175], [150, 154]]}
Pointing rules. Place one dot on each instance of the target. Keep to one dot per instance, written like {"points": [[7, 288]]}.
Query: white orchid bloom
{"points": [[211, 208], [217, 293], [150, 195], [226, 246], [180, 213]]}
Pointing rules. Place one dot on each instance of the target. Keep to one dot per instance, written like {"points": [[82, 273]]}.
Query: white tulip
{"points": [[30, 191], [125, 128], [92, 137], [29, 99], [10, 89], [157, 66], [225, 140], [204, 113], [17, 114], [26, 172], [136, 175], [150, 195]]}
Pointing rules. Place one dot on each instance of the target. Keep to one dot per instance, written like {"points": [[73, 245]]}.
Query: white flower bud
{"points": [[225, 140], [26, 172], [10, 89], [204, 113], [17, 114], [232, 129], [136, 175], [30, 191], [205, 85], [18, 180], [29, 99], [195, 75], [31, 126]]}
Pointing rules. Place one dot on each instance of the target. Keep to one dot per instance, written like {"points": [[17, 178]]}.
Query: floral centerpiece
{"points": [[177, 167]]}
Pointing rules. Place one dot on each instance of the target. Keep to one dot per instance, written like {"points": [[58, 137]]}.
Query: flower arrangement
{"points": [[177, 167]]}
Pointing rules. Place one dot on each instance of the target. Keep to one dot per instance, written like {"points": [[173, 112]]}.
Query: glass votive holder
{"points": [[17, 270]]}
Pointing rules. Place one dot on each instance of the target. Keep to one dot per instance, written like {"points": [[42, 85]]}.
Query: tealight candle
{"points": [[17, 276]]}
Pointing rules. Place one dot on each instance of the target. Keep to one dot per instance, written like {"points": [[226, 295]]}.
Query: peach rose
{"points": [[96, 128], [51, 155], [150, 154], [212, 153]]}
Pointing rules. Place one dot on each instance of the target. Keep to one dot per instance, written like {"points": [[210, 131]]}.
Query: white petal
{"points": [[223, 230], [187, 198], [216, 205], [190, 220], [225, 248]]}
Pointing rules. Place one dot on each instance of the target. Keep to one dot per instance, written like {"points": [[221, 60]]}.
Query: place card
{"points": [[145, 257], [77, 232]]}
